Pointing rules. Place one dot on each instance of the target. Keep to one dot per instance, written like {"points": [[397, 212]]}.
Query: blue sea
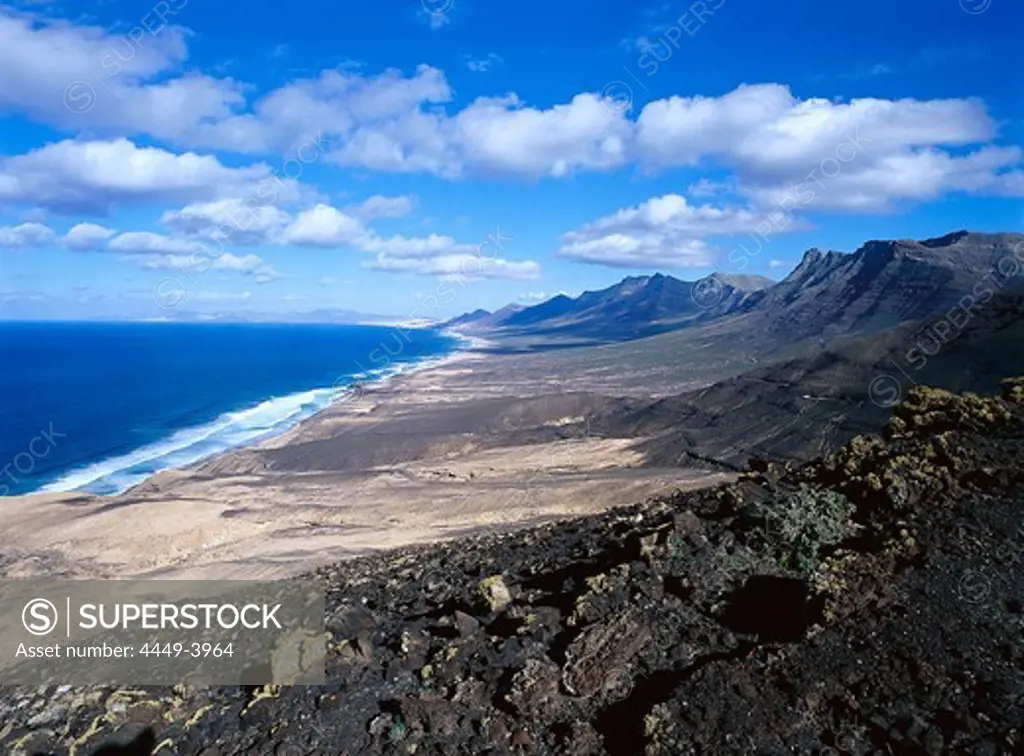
{"points": [[99, 407]]}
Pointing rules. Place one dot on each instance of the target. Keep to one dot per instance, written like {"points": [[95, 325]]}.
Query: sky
{"points": [[423, 158]]}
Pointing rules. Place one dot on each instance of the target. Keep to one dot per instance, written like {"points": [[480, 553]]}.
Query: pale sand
{"points": [[453, 449]]}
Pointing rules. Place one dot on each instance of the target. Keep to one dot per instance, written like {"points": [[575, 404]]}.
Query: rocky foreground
{"points": [[868, 602]]}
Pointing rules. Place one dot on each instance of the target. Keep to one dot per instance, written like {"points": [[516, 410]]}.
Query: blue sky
{"points": [[424, 158]]}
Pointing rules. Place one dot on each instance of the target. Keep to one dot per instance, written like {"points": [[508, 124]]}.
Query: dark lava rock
{"points": [[663, 628]]}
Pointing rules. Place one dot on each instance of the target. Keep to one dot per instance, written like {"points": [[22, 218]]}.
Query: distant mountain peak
{"points": [[948, 240], [742, 282]]}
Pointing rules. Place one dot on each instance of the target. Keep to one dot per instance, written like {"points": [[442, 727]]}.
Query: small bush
{"points": [[800, 524]]}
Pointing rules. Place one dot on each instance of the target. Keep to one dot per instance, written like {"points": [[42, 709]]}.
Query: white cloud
{"points": [[200, 262], [483, 65], [394, 122], [203, 231], [416, 247], [96, 176], [537, 296], [379, 206], [777, 264], [434, 255], [458, 267], [160, 252], [231, 220], [338, 102], [202, 295], [705, 187], [663, 231], [323, 226], [503, 136], [86, 236], [85, 77], [147, 242], [685, 130], [25, 235], [864, 155], [910, 176]]}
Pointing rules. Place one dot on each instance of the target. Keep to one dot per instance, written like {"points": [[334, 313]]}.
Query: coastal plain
{"points": [[481, 442]]}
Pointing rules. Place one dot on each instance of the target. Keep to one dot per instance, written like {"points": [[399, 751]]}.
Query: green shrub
{"points": [[798, 525]]}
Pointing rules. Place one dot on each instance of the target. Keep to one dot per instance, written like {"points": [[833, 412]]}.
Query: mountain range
{"points": [[792, 369], [880, 285], [635, 307]]}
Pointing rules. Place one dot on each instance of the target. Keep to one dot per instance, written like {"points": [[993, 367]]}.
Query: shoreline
{"points": [[462, 446], [154, 450]]}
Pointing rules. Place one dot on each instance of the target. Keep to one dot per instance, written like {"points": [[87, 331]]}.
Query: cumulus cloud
{"points": [[379, 206], [323, 226], [790, 157], [762, 133], [87, 77], [663, 231], [492, 136], [394, 121], [416, 247], [327, 227], [234, 220], [339, 102], [868, 154], [884, 182], [86, 236], [25, 235], [202, 231], [249, 265], [96, 176], [154, 251], [147, 242]]}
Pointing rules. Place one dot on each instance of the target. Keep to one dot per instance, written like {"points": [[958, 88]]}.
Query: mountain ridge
{"points": [[879, 285]]}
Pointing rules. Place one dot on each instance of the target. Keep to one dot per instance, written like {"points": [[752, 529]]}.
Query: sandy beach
{"points": [[478, 441]]}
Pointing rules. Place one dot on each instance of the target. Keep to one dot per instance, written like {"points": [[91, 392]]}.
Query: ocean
{"points": [[99, 407]]}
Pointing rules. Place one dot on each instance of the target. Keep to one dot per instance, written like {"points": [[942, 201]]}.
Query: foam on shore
{"points": [[229, 431]]}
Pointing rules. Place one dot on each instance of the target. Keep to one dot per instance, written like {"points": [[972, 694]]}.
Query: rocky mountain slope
{"points": [[633, 308], [816, 400], [828, 295], [885, 283], [871, 601]]}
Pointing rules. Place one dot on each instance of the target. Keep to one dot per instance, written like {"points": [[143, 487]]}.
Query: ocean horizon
{"points": [[101, 406]]}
